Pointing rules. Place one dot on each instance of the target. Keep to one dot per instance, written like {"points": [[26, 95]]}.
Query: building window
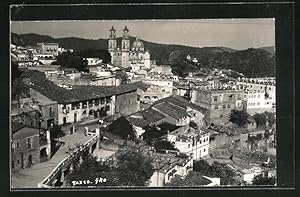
{"points": [[228, 106], [18, 145], [204, 150], [224, 106], [230, 97], [215, 98], [216, 106], [12, 164], [29, 143], [269, 88], [258, 103], [258, 96]]}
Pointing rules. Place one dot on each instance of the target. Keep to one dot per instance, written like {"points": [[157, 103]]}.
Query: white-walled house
{"points": [[190, 141]]}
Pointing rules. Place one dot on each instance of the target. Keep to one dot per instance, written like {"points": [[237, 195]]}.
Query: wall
{"points": [[127, 103], [157, 179], [197, 117], [83, 110], [16, 153], [199, 148], [46, 104], [219, 103]]}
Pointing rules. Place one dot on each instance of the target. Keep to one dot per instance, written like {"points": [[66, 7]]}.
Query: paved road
{"points": [[29, 177]]}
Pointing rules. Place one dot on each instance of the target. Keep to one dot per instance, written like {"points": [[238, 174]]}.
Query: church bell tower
{"points": [[125, 47], [112, 44]]}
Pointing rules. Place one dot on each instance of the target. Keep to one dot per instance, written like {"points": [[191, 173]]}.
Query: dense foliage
{"points": [[152, 134], [71, 60], [239, 117], [264, 180], [262, 118], [131, 169], [220, 170], [122, 128], [192, 179], [160, 145]]}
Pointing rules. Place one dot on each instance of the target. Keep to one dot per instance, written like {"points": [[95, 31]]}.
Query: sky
{"points": [[232, 33]]}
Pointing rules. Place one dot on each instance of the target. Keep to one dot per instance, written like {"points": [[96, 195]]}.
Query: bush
{"points": [[122, 128], [163, 145], [263, 180], [217, 169], [239, 117]]}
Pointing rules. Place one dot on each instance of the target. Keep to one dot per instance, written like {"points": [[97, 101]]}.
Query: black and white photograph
{"points": [[162, 103]]}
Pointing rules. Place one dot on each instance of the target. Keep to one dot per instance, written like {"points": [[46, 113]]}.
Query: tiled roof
{"points": [[16, 126], [181, 102], [145, 117], [78, 93], [171, 110], [141, 85]]}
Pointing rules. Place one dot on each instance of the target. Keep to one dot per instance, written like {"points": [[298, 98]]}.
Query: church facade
{"points": [[127, 54]]}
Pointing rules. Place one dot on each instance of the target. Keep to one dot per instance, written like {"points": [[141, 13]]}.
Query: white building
{"points": [[257, 102], [190, 141], [93, 61], [169, 164]]}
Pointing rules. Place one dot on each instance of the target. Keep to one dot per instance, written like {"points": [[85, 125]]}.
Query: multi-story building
{"points": [[24, 112], [219, 103], [159, 88], [47, 108], [82, 102], [190, 141], [169, 164], [258, 102], [30, 145], [127, 54], [268, 87], [48, 48]]}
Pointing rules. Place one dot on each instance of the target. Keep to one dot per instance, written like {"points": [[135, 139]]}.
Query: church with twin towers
{"points": [[126, 54]]}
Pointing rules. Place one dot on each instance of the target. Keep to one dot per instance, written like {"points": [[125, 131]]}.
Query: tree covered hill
{"points": [[251, 62]]}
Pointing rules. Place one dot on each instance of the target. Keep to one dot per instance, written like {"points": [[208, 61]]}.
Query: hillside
{"points": [[251, 62]]}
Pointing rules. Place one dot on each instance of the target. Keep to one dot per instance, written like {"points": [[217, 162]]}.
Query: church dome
{"points": [[138, 45]]}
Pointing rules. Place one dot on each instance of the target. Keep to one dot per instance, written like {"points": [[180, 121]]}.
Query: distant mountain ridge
{"points": [[220, 57]]}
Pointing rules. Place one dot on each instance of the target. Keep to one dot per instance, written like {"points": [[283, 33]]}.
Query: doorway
{"points": [[22, 160], [75, 117]]}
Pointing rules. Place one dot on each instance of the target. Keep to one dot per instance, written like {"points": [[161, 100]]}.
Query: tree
{"points": [[239, 117], [192, 179], [163, 145], [92, 170], [152, 134], [270, 118], [260, 119], [217, 169], [56, 132], [133, 169], [264, 180], [201, 166], [122, 128], [15, 71], [70, 60]]}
